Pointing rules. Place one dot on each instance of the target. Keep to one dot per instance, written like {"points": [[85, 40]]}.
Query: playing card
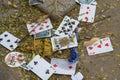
{"points": [[64, 42], [67, 26], [39, 27], [9, 41], [43, 34], [77, 76], [101, 46], [87, 13], [62, 66], [41, 67], [14, 59], [84, 1], [34, 2], [93, 3]]}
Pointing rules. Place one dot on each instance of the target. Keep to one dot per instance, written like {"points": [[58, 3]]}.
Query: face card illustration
{"points": [[64, 42], [41, 67], [43, 34], [77, 76], [35, 28], [101, 46], [9, 41], [62, 66], [67, 26], [87, 13]]}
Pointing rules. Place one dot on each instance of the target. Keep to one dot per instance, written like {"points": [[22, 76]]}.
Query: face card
{"points": [[64, 42], [101, 46], [67, 26], [87, 13], [9, 41], [41, 67], [39, 27], [43, 34], [77, 76], [62, 66]]}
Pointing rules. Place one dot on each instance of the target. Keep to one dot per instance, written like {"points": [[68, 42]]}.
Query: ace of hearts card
{"points": [[41, 67], [67, 26], [87, 13], [64, 42], [35, 28], [62, 66], [101, 46]]}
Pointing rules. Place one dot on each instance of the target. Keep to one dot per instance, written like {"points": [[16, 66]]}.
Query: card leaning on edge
{"points": [[62, 66], [101, 46], [41, 67]]}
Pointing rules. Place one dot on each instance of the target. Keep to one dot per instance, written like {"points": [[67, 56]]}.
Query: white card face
{"points": [[64, 42], [87, 13], [9, 41], [77, 76], [45, 25], [67, 26], [102, 46], [41, 67], [62, 66]]}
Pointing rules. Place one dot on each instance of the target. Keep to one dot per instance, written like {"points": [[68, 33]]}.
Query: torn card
{"points": [[101, 46], [87, 13], [67, 26], [41, 67], [35, 28], [64, 42], [9, 41], [62, 66], [14, 59]]}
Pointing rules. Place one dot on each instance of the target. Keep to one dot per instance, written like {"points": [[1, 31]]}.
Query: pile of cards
{"points": [[9, 41], [40, 30], [66, 37], [45, 70], [87, 10], [101, 46]]}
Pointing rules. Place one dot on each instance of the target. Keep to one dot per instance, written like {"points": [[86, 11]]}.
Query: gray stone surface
{"points": [[57, 8]]}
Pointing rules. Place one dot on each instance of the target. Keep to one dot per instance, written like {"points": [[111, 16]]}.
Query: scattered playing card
{"points": [[84, 1], [43, 34], [14, 59], [64, 42], [101, 46], [39, 27], [41, 67], [34, 2], [9, 41], [62, 66], [87, 13], [67, 26], [77, 76]]}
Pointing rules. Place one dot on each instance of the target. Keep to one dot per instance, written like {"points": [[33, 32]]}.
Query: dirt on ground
{"points": [[98, 67]]}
